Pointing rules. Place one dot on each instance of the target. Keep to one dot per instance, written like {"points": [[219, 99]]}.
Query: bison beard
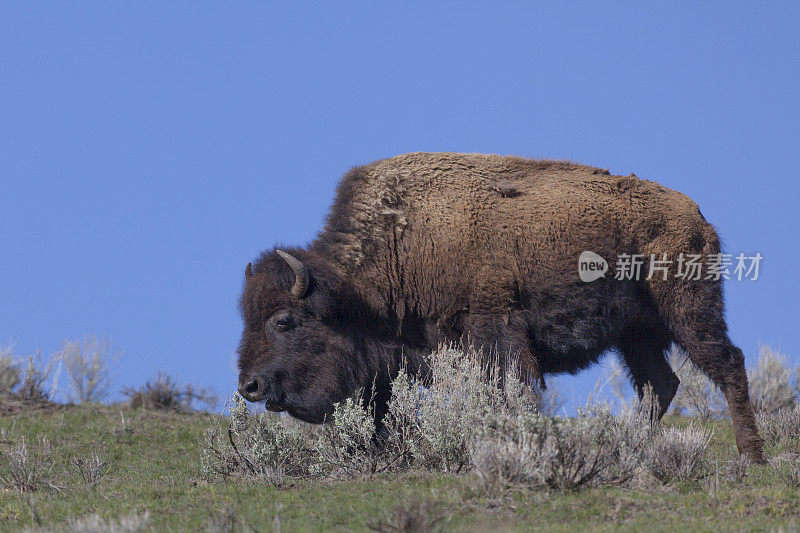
{"points": [[422, 249]]}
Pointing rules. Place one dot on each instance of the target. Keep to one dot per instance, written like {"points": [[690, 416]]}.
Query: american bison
{"points": [[427, 248]]}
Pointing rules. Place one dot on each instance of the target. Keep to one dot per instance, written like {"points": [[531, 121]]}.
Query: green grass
{"points": [[155, 467]]}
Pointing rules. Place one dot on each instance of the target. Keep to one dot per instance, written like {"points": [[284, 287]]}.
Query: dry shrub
{"points": [[34, 375], [430, 427], [789, 469], [774, 385], [410, 517], [678, 454], [736, 470], [225, 520], [347, 445], [697, 395], [164, 392], [228, 520], [262, 446], [781, 426], [615, 377], [436, 421], [28, 467], [87, 362], [430, 423], [26, 377], [130, 523], [593, 448], [548, 401], [502, 462], [463, 416], [10, 372], [92, 468]]}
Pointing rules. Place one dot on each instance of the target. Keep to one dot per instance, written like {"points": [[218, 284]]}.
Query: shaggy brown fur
{"points": [[427, 248]]}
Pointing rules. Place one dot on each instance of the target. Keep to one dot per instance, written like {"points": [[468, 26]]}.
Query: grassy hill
{"points": [[151, 465]]}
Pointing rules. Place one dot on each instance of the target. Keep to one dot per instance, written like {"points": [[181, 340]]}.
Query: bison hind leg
{"points": [[696, 320], [643, 350]]}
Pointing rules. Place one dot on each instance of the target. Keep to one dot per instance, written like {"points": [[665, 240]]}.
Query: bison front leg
{"points": [[493, 335], [643, 349]]}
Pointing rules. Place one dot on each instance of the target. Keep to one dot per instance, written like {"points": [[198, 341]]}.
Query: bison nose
{"points": [[251, 388]]}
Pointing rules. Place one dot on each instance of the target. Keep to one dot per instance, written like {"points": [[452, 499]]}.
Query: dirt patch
{"points": [[12, 404]]}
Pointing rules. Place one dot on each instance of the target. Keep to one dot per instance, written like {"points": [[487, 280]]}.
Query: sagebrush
{"points": [[130, 523], [26, 377], [465, 416], [774, 384], [28, 466], [87, 364], [10, 371], [165, 392]]}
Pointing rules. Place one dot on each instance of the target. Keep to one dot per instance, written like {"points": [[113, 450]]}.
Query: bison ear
{"points": [[248, 272]]}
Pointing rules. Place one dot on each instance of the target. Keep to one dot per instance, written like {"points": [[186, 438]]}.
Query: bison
{"points": [[430, 248]]}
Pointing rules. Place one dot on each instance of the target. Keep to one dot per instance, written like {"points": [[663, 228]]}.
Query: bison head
{"points": [[295, 355]]}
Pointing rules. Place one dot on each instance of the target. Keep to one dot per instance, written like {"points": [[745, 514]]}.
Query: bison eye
{"points": [[282, 322]]}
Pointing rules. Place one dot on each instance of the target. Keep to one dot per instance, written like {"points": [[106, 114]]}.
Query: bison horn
{"points": [[300, 274], [248, 272]]}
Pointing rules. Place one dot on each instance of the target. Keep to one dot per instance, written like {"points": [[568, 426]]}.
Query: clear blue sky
{"points": [[149, 150]]}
